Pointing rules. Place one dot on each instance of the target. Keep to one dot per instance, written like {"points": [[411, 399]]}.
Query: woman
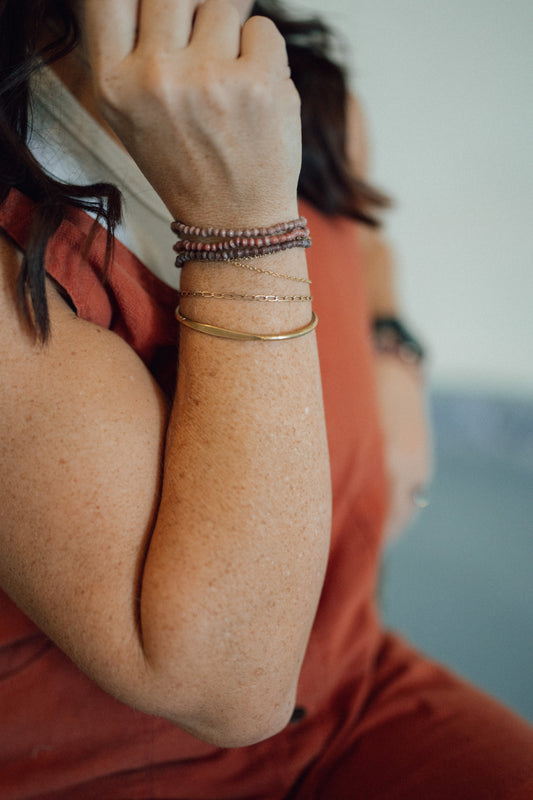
{"points": [[178, 621]]}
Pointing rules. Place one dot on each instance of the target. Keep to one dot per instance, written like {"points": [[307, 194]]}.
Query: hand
{"points": [[402, 404], [205, 107]]}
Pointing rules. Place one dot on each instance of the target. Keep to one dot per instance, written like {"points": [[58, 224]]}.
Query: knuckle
{"points": [[221, 10], [260, 96], [260, 89], [153, 78], [105, 93], [226, 7], [206, 89]]}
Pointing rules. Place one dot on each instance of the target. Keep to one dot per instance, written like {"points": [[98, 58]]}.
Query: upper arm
{"points": [[81, 434]]}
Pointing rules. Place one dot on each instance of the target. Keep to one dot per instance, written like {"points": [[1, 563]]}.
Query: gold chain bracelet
{"points": [[265, 298], [254, 268]]}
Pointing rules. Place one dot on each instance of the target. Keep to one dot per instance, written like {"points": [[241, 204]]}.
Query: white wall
{"points": [[448, 93]]}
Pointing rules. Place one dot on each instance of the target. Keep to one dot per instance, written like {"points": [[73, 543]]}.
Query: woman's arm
{"points": [[400, 385], [186, 583]]}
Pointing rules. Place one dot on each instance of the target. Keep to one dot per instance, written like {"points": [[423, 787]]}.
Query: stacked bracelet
{"points": [[222, 244]]}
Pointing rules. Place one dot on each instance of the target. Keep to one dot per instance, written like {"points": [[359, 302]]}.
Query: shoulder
{"points": [[371, 244], [356, 136], [70, 334], [81, 431]]}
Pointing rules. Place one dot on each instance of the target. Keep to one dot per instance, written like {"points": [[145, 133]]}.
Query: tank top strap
{"points": [[128, 299]]}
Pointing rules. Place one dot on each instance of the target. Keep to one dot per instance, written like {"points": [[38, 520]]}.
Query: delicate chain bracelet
{"points": [[255, 268], [266, 298]]}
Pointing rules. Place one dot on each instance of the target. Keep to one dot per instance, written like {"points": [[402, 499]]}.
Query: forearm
{"points": [[400, 386], [242, 534], [234, 567]]}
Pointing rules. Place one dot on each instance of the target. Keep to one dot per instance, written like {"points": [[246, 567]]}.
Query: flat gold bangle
{"points": [[241, 336]]}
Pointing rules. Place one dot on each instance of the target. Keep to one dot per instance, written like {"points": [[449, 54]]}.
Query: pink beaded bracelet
{"points": [[238, 253], [181, 229], [229, 244], [239, 241]]}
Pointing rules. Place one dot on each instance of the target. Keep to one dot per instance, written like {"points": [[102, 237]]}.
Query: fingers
{"points": [[110, 29], [165, 24], [171, 24], [217, 29], [262, 42], [116, 27]]}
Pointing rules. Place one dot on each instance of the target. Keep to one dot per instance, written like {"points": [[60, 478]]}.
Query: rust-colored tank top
{"points": [[60, 735]]}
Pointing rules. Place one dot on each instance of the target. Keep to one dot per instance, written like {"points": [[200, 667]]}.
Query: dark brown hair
{"points": [[326, 180]]}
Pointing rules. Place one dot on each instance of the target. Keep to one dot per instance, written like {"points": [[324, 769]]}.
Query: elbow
{"points": [[236, 719], [250, 725]]}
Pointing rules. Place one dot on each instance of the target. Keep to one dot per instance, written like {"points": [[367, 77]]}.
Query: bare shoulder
{"points": [[81, 430], [17, 343], [370, 239], [356, 136], [358, 154], [84, 371], [376, 255]]}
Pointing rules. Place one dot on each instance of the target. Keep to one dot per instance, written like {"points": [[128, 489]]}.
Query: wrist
{"points": [[226, 212]]}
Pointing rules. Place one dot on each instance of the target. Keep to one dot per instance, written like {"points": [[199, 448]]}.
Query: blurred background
{"points": [[448, 93]]}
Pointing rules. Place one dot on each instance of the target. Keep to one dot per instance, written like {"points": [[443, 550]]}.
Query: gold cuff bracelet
{"points": [[242, 336]]}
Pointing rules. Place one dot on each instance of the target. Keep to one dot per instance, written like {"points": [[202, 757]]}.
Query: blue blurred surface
{"points": [[460, 583]]}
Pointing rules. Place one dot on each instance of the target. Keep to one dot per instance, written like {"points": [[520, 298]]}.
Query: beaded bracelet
{"points": [[238, 253], [238, 242], [232, 242], [181, 229], [228, 244], [242, 336]]}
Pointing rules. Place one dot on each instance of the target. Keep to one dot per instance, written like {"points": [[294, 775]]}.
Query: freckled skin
{"points": [[177, 558]]}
